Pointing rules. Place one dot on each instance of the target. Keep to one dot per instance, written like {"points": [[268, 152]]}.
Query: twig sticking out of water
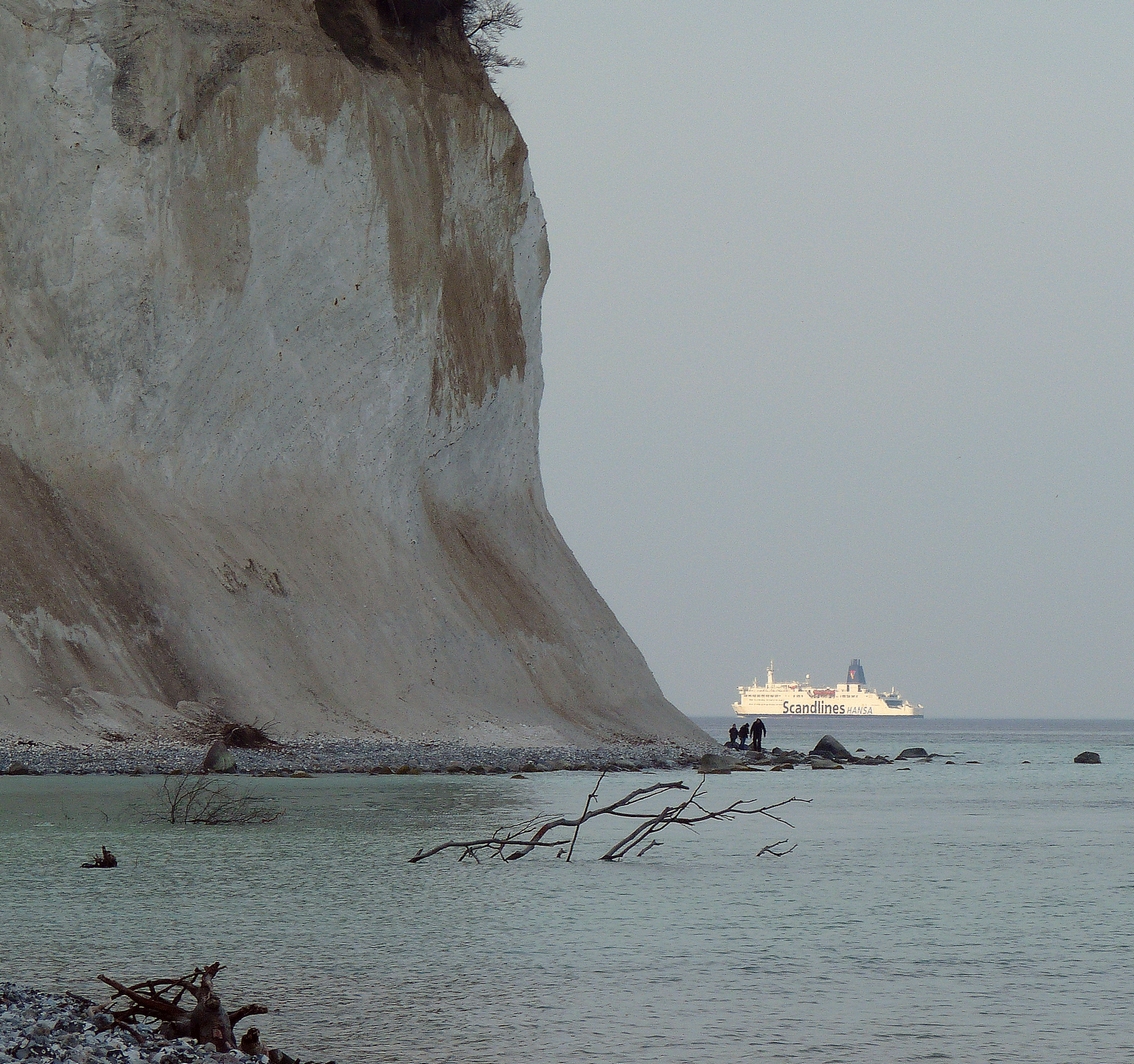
{"points": [[590, 798], [203, 800], [510, 844]]}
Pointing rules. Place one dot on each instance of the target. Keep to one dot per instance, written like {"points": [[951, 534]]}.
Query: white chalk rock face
{"points": [[270, 276]]}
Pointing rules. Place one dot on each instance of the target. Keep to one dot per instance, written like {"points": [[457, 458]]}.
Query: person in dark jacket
{"points": [[758, 732], [733, 734], [744, 736]]}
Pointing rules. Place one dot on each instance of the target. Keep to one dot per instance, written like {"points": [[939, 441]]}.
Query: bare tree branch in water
{"points": [[204, 800], [773, 849], [510, 844]]}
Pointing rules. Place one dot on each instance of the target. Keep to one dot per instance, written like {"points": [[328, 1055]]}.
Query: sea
{"points": [[979, 907]]}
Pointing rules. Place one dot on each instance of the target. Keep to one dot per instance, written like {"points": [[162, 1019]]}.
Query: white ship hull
{"points": [[851, 699]]}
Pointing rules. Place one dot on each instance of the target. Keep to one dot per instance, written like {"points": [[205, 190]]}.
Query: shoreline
{"points": [[317, 756]]}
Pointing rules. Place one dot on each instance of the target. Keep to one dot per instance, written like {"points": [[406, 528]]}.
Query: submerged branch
{"points": [[204, 800], [510, 844]]}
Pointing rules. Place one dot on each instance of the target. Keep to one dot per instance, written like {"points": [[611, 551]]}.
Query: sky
{"points": [[838, 339]]}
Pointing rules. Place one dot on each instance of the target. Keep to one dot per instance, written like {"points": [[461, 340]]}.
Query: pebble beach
{"points": [[319, 756], [35, 1026]]}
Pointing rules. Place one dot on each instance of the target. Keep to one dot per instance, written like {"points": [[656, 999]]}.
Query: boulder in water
{"points": [[824, 762], [717, 764], [218, 759], [911, 753], [830, 747], [1088, 757]]}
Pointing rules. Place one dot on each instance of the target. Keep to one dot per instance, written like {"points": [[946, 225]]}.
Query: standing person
{"points": [[744, 736], [758, 732], [732, 736]]}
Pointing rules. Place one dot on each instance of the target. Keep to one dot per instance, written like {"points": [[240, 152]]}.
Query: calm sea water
{"points": [[972, 912]]}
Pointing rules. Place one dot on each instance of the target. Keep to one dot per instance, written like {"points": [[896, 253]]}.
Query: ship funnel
{"points": [[855, 673]]}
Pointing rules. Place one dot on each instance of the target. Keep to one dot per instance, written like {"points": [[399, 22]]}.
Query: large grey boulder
{"points": [[218, 759], [831, 748], [1088, 757], [912, 753]]}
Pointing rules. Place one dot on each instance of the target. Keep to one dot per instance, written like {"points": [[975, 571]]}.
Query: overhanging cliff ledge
{"points": [[270, 279]]}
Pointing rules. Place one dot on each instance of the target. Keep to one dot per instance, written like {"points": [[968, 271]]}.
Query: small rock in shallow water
{"points": [[912, 752], [1088, 757], [716, 764], [823, 762]]}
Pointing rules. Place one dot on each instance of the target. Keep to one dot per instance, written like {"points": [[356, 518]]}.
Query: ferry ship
{"points": [[850, 699]]}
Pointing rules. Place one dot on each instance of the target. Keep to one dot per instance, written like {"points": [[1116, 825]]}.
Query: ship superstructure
{"points": [[850, 699]]}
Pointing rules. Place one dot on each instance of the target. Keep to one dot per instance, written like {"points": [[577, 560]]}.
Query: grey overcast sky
{"points": [[838, 339]]}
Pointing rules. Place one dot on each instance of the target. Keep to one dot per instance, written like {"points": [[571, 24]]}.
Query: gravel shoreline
{"points": [[37, 1026], [320, 756]]}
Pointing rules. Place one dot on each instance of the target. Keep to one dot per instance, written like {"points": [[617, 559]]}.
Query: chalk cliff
{"points": [[270, 280]]}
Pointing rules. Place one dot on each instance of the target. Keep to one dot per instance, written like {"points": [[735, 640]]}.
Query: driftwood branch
{"points": [[160, 999], [510, 844]]}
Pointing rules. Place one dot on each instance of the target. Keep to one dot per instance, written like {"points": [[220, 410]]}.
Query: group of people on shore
{"points": [[738, 737]]}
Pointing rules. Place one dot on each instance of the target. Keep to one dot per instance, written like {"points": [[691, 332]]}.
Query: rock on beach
{"points": [[218, 759]]}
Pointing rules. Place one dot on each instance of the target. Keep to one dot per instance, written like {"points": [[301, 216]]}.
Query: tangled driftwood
{"points": [[160, 999], [510, 844]]}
